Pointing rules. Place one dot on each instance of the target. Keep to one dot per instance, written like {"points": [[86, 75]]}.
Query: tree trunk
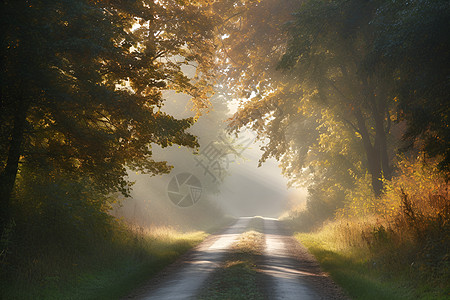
{"points": [[377, 155], [372, 154], [380, 136], [9, 173]]}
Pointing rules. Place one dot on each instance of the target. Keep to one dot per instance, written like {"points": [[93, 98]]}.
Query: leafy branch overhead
{"points": [[333, 86], [82, 85]]}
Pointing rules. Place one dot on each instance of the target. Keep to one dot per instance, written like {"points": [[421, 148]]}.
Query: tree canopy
{"points": [[82, 86], [412, 42], [339, 87], [334, 89]]}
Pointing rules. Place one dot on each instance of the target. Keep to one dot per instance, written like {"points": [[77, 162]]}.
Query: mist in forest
{"points": [[131, 130], [237, 188]]}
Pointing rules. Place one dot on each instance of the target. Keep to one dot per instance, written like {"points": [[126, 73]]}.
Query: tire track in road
{"points": [[293, 272], [279, 265]]}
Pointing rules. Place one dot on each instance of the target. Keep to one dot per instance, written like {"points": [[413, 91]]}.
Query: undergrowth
{"points": [[63, 243], [102, 266], [393, 247]]}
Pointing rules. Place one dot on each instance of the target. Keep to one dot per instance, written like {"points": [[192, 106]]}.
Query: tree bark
{"points": [[372, 154], [377, 155], [379, 113], [9, 173]]}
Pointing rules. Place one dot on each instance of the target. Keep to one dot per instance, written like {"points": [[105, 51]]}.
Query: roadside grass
{"points": [[107, 268], [361, 274], [396, 246], [238, 278]]}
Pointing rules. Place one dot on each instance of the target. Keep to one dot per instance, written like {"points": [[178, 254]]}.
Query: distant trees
{"points": [[327, 89], [81, 87]]}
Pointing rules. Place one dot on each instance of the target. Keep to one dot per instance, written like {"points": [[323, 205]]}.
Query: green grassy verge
{"points": [[109, 270], [353, 269], [239, 278]]}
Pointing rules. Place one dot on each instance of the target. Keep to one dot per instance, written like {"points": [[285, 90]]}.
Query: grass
{"points": [[238, 278], [109, 270], [359, 272]]}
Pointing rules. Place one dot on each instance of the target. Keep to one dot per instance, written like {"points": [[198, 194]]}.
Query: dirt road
{"points": [[293, 273]]}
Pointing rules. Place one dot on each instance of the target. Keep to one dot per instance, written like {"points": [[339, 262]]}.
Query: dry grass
{"points": [[250, 242], [108, 269], [402, 237]]}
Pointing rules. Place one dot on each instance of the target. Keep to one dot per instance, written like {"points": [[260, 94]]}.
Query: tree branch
{"points": [[352, 125]]}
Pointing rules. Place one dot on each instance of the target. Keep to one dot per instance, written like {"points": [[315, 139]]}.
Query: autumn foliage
{"points": [[410, 224]]}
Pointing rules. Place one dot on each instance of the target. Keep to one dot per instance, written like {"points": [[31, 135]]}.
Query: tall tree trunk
{"points": [[372, 154], [9, 173], [379, 113], [381, 138], [377, 155]]}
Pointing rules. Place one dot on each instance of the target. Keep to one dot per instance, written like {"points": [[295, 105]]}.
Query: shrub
{"points": [[411, 221]]}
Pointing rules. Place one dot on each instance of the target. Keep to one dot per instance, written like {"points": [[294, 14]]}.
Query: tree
{"points": [[323, 52], [81, 86], [328, 48], [412, 42]]}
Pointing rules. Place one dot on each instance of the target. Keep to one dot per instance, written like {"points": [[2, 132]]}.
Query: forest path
{"points": [[291, 271]]}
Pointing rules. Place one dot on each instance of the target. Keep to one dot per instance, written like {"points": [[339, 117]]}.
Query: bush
{"points": [[411, 222], [52, 214], [406, 232]]}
